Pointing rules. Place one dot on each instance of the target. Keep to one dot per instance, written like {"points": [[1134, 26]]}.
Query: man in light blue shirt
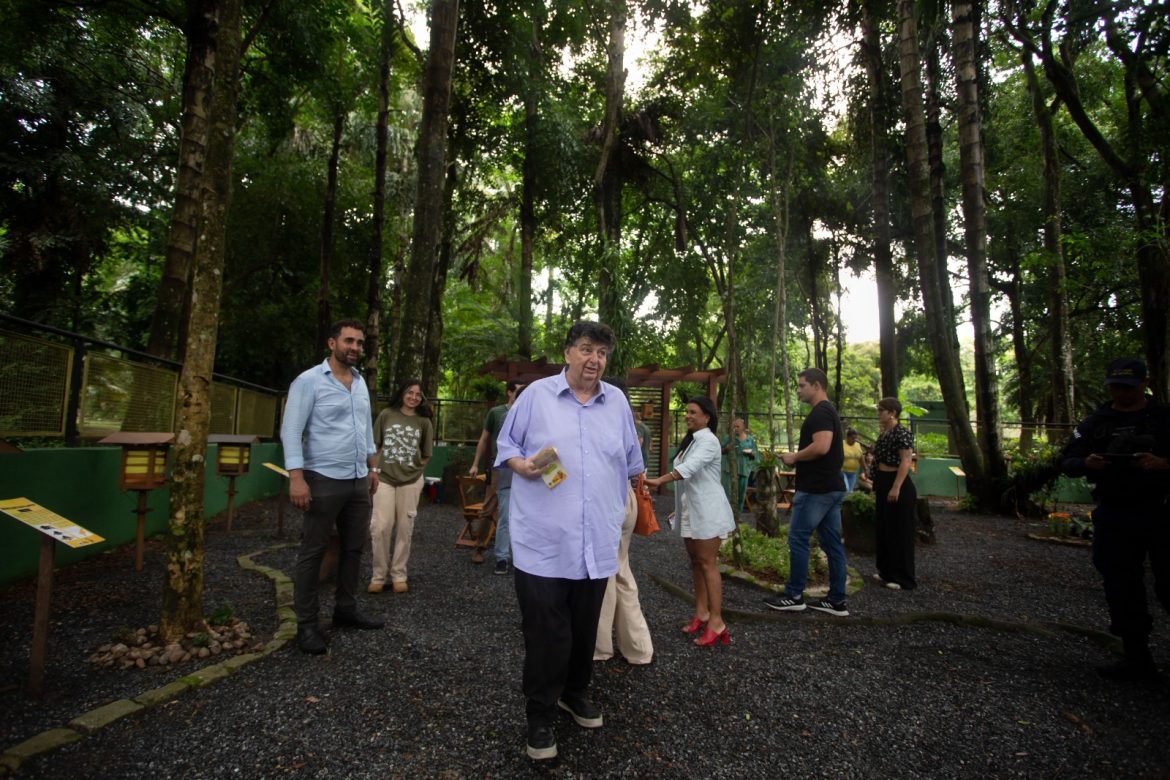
{"points": [[328, 439], [565, 538]]}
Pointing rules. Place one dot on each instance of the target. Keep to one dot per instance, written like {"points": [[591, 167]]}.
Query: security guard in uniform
{"points": [[1122, 448]]}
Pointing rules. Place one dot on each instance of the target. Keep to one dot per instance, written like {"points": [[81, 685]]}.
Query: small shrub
{"points": [[202, 639], [864, 505], [221, 615], [768, 555]]}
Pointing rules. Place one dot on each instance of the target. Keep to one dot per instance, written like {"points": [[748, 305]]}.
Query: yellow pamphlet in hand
{"points": [[549, 463]]}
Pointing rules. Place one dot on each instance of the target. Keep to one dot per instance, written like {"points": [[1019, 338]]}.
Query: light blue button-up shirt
{"points": [[573, 530], [326, 428]]}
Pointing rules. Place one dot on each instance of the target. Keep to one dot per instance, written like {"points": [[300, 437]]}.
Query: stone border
{"points": [[15, 755], [1071, 541]]}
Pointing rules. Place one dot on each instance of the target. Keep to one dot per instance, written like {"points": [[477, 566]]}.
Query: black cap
{"points": [[1125, 371]]}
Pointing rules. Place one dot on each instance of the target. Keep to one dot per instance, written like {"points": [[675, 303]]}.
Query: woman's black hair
{"points": [[708, 408], [423, 410]]}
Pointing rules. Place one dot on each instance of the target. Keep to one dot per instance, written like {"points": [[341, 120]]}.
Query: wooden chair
{"points": [[472, 491]]}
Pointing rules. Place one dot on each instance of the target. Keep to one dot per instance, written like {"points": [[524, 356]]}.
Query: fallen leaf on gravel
{"points": [[312, 699]]}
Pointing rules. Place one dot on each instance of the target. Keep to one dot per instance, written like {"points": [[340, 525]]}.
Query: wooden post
{"points": [[231, 494], [40, 641], [140, 533], [280, 511]]}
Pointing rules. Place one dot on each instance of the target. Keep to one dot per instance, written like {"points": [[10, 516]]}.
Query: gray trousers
{"points": [[346, 503]]}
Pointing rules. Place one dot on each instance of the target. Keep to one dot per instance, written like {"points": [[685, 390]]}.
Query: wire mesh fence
{"points": [[34, 381]]}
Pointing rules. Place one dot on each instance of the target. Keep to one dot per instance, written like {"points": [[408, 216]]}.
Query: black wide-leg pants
{"points": [[896, 530]]}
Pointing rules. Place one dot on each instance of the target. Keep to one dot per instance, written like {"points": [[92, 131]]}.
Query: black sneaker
{"points": [[583, 711], [786, 603], [502, 567], [828, 607], [542, 742]]}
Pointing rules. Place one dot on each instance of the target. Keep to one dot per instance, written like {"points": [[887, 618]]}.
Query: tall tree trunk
{"points": [[183, 231], [428, 208], [780, 187], [883, 265], [940, 327], [376, 282], [607, 181], [975, 234], [434, 342], [1014, 293], [938, 182], [528, 187], [324, 308], [182, 601], [838, 331], [1059, 333]]}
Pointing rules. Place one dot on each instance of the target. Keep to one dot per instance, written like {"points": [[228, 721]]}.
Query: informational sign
{"points": [[276, 468], [49, 523]]}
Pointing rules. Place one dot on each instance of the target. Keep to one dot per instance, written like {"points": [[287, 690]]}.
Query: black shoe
{"points": [[786, 603], [310, 639], [583, 711], [502, 567], [355, 619], [828, 607], [542, 742]]}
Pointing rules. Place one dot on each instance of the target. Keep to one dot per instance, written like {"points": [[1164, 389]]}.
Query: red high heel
{"points": [[693, 626], [709, 638]]}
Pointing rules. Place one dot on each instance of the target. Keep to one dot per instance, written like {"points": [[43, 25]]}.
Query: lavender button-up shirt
{"points": [[571, 531]]}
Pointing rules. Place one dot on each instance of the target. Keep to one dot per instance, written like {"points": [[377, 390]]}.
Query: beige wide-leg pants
{"points": [[621, 609], [395, 507]]}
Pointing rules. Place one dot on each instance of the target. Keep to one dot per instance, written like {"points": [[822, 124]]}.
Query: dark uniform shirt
{"points": [[1109, 432]]}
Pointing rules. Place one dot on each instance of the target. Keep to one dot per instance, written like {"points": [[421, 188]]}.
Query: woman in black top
{"points": [[896, 498]]}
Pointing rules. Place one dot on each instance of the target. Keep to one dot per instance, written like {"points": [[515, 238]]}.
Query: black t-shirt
{"points": [[822, 475]]}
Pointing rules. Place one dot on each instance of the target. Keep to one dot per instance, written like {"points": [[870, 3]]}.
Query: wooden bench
{"points": [[959, 475]]}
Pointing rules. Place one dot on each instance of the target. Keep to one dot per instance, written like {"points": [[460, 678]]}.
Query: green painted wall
{"points": [[81, 484]]}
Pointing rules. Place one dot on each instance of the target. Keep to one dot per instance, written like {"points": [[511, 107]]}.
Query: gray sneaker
{"points": [[786, 603], [829, 608]]}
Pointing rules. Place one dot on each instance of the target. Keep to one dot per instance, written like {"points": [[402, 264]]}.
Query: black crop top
{"points": [[889, 445]]}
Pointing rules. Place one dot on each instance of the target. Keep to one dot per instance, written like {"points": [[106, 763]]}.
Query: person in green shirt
{"points": [[492, 506], [743, 444], [404, 436], [643, 438]]}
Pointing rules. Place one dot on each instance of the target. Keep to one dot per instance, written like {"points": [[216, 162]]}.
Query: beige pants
{"points": [[394, 509], [621, 608]]}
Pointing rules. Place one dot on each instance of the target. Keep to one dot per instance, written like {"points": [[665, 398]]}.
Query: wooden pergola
{"points": [[650, 376]]}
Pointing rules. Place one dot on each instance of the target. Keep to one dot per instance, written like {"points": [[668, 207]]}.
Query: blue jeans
{"points": [[820, 512], [503, 538], [850, 481]]}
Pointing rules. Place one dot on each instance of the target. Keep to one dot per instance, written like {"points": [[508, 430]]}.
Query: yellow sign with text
{"points": [[49, 523]]}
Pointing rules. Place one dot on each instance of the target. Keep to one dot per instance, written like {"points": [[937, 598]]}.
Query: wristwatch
{"points": [[376, 470]]}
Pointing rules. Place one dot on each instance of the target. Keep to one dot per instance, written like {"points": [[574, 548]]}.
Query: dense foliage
{"points": [[748, 145]]}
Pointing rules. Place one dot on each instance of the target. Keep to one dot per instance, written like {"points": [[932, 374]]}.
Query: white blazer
{"points": [[702, 503]]}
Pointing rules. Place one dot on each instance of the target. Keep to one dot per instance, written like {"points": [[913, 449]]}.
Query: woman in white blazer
{"points": [[704, 514]]}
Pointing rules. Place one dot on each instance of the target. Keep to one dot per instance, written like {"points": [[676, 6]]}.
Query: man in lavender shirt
{"points": [[565, 538]]}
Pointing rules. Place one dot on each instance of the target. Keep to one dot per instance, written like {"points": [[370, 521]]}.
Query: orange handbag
{"points": [[646, 523]]}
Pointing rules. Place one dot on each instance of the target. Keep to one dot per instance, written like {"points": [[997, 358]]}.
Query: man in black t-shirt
{"points": [[1123, 449], [820, 489]]}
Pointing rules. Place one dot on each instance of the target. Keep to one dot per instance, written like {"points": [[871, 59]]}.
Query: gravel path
{"points": [[437, 693]]}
